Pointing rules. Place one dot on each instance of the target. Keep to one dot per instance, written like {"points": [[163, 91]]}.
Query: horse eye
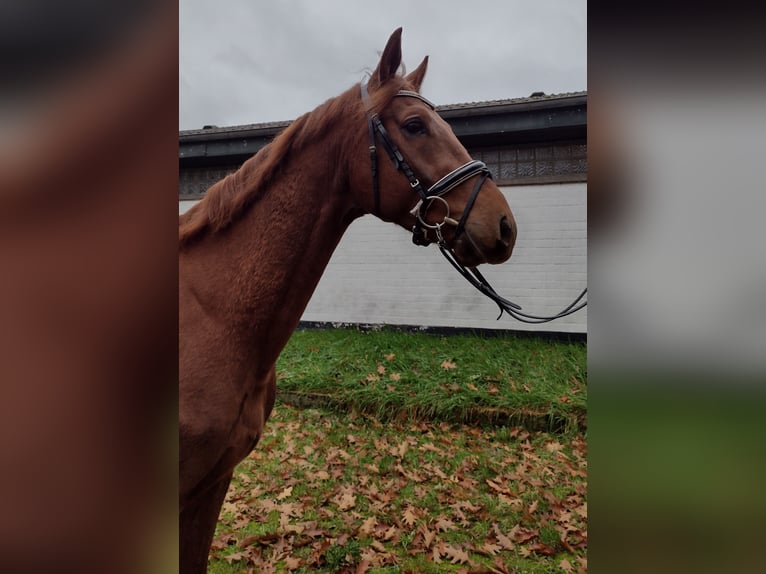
{"points": [[415, 126]]}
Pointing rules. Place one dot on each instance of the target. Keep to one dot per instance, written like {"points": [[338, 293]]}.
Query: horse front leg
{"points": [[197, 527]]}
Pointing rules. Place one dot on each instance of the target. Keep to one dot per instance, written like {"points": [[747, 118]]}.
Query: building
{"points": [[536, 148]]}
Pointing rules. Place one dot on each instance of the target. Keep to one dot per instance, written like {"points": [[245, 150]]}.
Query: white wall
{"points": [[377, 275]]}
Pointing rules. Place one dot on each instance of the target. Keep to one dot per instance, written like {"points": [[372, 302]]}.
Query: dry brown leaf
{"points": [[390, 357], [522, 535], [292, 563], [456, 555], [381, 370], [428, 536], [390, 533], [285, 493], [502, 539], [437, 552], [395, 376], [566, 566], [448, 365], [403, 448], [499, 563], [346, 501], [234, 556], [368, 526], [490, 548], [443, 524], [541, 548], [409, 517]]}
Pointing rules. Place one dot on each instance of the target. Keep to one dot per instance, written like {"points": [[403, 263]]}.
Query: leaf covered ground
{"points": [[346, 493]]}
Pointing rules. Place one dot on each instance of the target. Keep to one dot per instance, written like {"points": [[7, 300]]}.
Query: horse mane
{"points": [[227, 200]]}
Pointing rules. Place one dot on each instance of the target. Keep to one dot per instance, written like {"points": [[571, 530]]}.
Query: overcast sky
{"points": [[252, 61]]}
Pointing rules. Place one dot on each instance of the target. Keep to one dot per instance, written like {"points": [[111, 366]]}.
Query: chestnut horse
{"points": [[253, 250]]}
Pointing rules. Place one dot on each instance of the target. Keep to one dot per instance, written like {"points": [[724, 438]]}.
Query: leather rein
{"points": [[435, 193]]}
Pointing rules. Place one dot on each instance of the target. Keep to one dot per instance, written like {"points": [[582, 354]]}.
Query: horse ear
{"points": [[390, 60], [416, 76]]}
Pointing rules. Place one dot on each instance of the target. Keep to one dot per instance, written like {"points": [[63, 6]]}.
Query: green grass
{"points": [[392, 374], [427, 454]]}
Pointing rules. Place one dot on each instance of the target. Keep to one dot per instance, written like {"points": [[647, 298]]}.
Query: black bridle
{"points": [[435, 193], [427, 196]]}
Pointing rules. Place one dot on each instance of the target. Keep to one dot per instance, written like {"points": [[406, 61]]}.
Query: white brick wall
{"points": [[377, 275]]}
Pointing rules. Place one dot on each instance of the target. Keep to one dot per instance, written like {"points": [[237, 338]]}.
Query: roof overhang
{"points": [[505, 122]]}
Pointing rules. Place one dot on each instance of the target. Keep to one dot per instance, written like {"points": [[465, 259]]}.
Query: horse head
{"points": [[431, 185]]}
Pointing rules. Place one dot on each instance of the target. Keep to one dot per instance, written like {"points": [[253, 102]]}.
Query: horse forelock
{"points": [[228, 199]]}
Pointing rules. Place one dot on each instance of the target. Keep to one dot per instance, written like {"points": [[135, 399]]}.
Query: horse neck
{"points": [[258, 275]]}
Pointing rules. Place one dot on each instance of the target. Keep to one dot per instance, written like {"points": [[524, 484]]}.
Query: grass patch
{"points": [[395, 375]]}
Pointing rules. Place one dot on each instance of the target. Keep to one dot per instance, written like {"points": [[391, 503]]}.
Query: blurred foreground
{"points": [[88, 207], [677, 276]]}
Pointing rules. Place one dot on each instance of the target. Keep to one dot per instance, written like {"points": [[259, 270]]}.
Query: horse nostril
{"points": [[506, 233]]}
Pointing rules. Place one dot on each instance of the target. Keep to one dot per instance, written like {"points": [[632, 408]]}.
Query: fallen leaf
{"points": [[285, 493], [443, 524], [390, 533], [456, 555], [541, 548], [437, 552], [565, 565], [409, 517], [502, 539], [292, 563], [346, 501], [553, 446], [381, 370], [490, 548], [403, 448], [234, 556], [499, 563], [395, 376], [368, 526], [390, 357], [447, 365], [522, 535], [428, 536]]}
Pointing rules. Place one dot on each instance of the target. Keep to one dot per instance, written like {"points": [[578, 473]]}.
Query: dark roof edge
{"points": [[447, 111]]}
